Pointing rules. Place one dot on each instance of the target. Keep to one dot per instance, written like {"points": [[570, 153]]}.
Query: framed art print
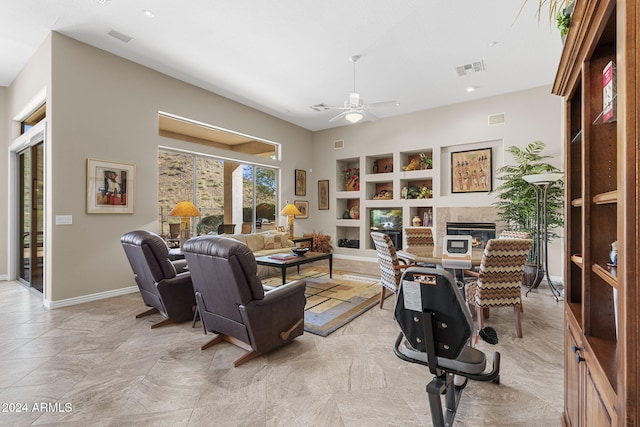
{"points": [[110, 187], [301, 182], [471, 171], [303, 207], [323, 194]]}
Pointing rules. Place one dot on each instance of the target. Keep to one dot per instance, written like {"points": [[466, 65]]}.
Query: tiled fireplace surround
{"points": [[464, 214]]}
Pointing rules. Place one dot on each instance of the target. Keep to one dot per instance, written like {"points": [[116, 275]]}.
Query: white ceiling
{"points": [[283, 56]]}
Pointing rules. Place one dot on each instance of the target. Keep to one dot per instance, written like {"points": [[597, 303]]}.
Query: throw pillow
{"points": [[272, 241], [255, 241], [284, 239]]}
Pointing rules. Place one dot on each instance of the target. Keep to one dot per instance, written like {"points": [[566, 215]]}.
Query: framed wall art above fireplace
{"points": [[471, 171]]}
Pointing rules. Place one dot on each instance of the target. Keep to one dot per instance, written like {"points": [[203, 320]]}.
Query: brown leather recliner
{"points": [[163, 284], [232, 301]]}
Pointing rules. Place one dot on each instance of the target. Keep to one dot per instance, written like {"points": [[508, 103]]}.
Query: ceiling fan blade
{"points": [[383, 104], [369, 116]]}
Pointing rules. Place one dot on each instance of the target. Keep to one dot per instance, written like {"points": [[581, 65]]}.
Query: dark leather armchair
{"points": [[164, 285], [232, 302]]}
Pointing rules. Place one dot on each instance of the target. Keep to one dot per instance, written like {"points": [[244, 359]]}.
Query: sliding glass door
{"points": [[31, 216]]}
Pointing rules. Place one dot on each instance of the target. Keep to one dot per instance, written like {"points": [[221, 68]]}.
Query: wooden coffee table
{"points": [[283, 264]]}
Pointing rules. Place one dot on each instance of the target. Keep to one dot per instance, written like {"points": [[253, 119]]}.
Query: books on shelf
{"points": [[608, 91]]}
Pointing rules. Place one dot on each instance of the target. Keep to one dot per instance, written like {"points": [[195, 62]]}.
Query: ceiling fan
{"points": [[354, 108]]}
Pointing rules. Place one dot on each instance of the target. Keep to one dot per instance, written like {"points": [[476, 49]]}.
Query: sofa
{"points": [[264, 244]]}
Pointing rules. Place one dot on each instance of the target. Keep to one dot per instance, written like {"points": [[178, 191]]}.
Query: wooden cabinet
{"points": [[601, 164]]}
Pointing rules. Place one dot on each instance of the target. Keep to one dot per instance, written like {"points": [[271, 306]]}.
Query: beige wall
{"points": [[31, 80], [530, 115], [4, 138], [104, 107]]}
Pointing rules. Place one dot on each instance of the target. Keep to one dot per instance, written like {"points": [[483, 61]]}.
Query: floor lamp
{"points": [[290, 210], [185, 210], [541, 182]]}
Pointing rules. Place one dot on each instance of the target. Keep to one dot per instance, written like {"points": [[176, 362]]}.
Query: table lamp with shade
{"points": [[290, 211], [185, 211]]}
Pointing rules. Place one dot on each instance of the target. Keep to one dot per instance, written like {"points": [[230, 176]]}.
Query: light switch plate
{"points": [[64, 219]]}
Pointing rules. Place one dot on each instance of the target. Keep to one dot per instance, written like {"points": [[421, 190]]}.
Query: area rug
{"points": [[333, 302]]}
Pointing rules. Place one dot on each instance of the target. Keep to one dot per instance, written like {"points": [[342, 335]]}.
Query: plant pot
{"points": [[529, 280]]}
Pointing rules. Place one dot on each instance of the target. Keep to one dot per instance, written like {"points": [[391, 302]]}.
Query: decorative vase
{"points": [[352, 184], [345, 214], [613, 255], [354, 212], [416, 221], [531, 278]]}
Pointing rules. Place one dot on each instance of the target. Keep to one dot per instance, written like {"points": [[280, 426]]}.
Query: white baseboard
{"points": [[356, 258], [4, 277], [89, 298]]}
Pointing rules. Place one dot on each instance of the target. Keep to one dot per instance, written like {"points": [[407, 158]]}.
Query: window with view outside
{"points": [[225, 192]]}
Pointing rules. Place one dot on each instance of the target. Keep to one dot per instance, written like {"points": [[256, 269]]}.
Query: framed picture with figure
{"points": [[323, 194], [471, 171], [110, 187], [301, 182], [303, 207]]}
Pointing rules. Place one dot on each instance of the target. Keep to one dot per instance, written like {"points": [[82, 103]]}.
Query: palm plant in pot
{"points": [[516, 201]]}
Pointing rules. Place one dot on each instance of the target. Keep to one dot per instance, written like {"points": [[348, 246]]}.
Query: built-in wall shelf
{"points": [[382, 179], [604, 198]]}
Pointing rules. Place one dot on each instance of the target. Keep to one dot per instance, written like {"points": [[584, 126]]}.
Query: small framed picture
{"points": [[301, 182], [323, 194], [303, 207], [110, 187], [280, 229]]}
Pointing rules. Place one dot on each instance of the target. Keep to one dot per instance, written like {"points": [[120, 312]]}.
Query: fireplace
{"points": [[481, 232]]}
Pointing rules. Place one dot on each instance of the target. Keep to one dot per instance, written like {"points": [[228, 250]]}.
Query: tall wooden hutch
{"points": [[601, 164]]}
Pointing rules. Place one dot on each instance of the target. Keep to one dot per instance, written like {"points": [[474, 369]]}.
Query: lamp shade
{"points": [[185, 209], [353, 116], [542, 178], [290, 209]]}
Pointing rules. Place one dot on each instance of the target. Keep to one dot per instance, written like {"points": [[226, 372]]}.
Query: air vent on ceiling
{"points": [[319, 107], [103, 2], [496, 119], [474, 67], [338, 144], [122, 37]]}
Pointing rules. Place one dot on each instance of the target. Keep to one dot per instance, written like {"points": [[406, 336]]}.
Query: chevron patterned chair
{"points": [[497, 283], [419, 241], [390, 264], [510, 234]]}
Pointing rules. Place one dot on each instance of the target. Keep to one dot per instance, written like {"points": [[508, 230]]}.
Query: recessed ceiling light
{"points": [[148, 13], [471, 89], [102, 2], [491, 44]]}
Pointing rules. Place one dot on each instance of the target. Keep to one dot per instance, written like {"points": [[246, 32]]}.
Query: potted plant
{"points": [[559, 11], [516, 200]]}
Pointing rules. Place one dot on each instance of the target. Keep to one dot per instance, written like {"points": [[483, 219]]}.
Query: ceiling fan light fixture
{"points": [[353, 116]]}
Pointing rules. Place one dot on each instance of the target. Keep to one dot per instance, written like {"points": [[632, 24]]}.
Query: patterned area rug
{"points": [[332, 302]]}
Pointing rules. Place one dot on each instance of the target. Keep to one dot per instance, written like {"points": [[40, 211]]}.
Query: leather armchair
{"points": [[232, 302], [164, 285]]}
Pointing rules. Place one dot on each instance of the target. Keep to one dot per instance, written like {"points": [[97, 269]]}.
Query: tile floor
{"points": [[96, 365]]}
